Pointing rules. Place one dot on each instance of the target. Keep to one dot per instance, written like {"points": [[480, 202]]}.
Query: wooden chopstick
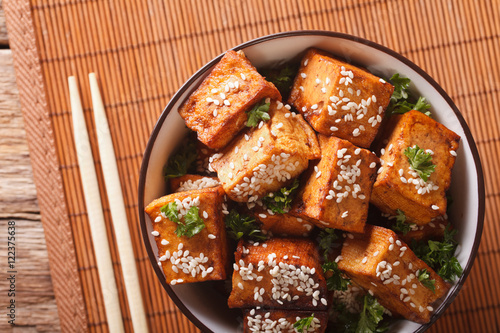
{"points": [[94, 212], [117, 207]]}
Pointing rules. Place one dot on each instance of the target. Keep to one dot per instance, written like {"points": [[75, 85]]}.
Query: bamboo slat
{"points": [[144, 50]]}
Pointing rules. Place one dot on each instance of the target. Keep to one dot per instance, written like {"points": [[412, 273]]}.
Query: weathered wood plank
{"points": [[36, 309], [3, 28]]}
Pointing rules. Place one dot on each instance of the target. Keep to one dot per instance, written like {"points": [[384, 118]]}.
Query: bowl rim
{"points": [[187, 85]]}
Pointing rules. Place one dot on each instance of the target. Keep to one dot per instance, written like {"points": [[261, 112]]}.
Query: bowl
{"points": [[207, 308]]}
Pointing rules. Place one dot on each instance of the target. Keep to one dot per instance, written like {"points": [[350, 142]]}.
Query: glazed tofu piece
{"points": [[205, 253], [380, 262], [336, 191], [216, 110], [192, 182], [340, 99], [266, 158], [282, 273], [398, 186], [282, 224], [281, 320]]}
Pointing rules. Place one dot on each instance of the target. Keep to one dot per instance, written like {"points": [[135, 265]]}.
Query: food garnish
{"points": [[401, 100], [182, 162], [240, 225], [420, 161], [193, 223], [279, 202], [302, 325], [425, 278], [401, 225], [440, 255], [257, 113]]}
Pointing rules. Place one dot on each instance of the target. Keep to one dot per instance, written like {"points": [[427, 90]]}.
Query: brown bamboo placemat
{"points": [[144, 50]]}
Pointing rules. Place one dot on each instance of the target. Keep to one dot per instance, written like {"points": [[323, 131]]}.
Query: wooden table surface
{"points": [[36, 309]]}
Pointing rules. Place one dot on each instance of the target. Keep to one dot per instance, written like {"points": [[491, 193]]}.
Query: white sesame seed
{"points": [[453, 153], [365, 259], [435, 207], [164, 242], [303, 75], [155, 233], [211, 236], [243, 77]]}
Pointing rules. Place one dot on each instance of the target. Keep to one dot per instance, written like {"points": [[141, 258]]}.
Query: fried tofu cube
{"points": [[268, 157], [205, 253], [274, 320], [398, 186], [192, 182], [282, 224], [337, 189], [282, 273], [216, 110], [340, 99], [381, 263]]}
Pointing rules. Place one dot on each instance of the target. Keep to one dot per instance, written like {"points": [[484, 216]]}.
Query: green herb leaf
{"points": [[279, 202], [371, 315], [182, 162], [420, 161], [193, 223], [425, 278], [402, 101], [401, 86], [440, 255], [257, 113], [282, 77], [327, 238], [302, 325], [401, 224], [336, 281], [243, 226], [170, 210]]}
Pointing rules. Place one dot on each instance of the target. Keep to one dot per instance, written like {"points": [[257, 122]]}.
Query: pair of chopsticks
{"points": [[95, 212]]}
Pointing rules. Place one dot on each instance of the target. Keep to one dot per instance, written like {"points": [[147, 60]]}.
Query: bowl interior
{"points": [[207, 308]]}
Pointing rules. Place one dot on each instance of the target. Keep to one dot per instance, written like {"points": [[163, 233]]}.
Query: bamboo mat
{"points": [[143, 51]]}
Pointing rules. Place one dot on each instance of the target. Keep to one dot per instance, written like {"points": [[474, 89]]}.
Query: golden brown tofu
{"points": [[339, 99], [282, 320], [216, 110], [432, 230], [398, 186], [266, 158], [202, 257], [280, 273], [381, 263], [337, 189], [282, 224], [192, 182]]}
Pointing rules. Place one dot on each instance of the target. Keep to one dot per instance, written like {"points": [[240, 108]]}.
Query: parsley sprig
{"points": [[369, 320], [257, 113], [281, 77], [182, 162], [440, 255], [243, 226], [401, 225], [336, 281], [193, 223], [425, 278], [402, 101], [420, 161], [302, 325], [279, 202]]}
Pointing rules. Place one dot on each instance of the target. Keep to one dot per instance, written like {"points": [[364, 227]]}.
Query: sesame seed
{"points": [[365, 259], [453, 153], [430, 308], [318, 81], [262, 216], [344, 214], [435, 207], [164, 242], [373, 165], [305, 62], [243, 77], [303, 75], [211, 236], [155, 233], [279, 125]]}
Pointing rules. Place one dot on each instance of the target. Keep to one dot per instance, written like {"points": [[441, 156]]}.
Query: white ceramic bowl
{"points": [[208, 308]]}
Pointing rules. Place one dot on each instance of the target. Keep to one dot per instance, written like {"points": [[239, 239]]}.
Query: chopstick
{"points": [[118, 213], [94, 212]]}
